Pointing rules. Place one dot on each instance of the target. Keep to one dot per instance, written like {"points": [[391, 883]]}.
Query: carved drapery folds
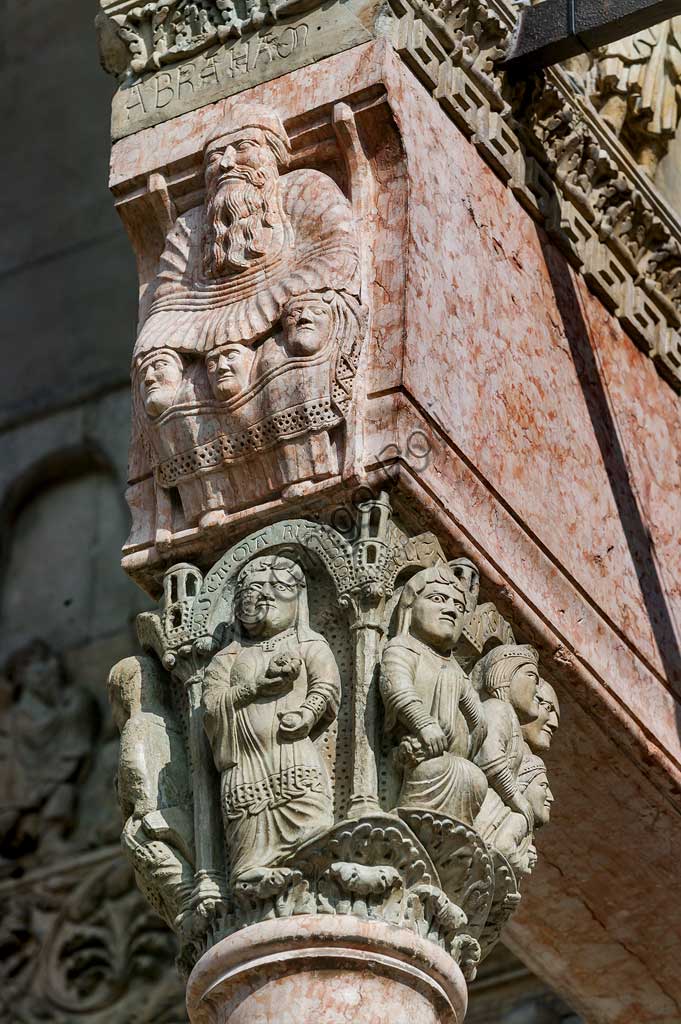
{"points": [[252, 328], [330, 723]]}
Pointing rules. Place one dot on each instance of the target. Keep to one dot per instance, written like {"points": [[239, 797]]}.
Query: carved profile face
{"points": [[243, 206], [539, 733], [267, 602], [308, 323], [228, 368], [437, 616], [523, 692], [160, 376], [540, 798]]}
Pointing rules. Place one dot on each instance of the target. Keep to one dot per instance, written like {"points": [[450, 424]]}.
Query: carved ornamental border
{"points": [[562, 162]]}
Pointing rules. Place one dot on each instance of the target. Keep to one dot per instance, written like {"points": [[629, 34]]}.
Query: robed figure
{"points": [[429, 701], [267, 693]]}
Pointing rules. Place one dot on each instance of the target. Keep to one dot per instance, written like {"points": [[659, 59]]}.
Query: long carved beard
{"points": [[241, 220]]}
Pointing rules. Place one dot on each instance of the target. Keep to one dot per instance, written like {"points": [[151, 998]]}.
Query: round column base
{"points": [[318, 969]]}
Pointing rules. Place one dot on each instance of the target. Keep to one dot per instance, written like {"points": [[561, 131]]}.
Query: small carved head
{"points": [[228, 368], [159, 375], [134, 685], [434, 604], [533, 782], [308, 323], [269, 592], [539, 732], [510, 672], [37, 670]]}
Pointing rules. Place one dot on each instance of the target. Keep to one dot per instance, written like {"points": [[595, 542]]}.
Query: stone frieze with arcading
{"points": [[253, 323], [330, 723]]}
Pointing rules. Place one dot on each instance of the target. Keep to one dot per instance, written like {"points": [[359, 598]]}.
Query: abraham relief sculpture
{"points": [[429, 701], [244, 366], [274, 684], [250, 725]]}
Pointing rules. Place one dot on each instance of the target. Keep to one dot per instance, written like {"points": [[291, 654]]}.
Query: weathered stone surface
{"points": [[273, 50], [510, 453], [327, 970], [60, 242]]}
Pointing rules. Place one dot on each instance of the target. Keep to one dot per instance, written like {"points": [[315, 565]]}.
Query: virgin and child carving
{"points": [[239, 737], [274, 684], [243, 369]]}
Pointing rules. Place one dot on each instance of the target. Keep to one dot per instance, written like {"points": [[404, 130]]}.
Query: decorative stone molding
{"points": [[635, 87], [172, 56], [301, 738]]}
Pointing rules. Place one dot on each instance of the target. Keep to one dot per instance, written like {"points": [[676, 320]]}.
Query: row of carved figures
{"points": [[464, 747]]}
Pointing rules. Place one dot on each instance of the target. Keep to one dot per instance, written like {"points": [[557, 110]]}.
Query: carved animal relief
{"points": [[330, 723], [252, 329]]}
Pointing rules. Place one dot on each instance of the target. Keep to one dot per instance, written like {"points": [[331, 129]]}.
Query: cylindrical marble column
{"points": [[316, 969]]}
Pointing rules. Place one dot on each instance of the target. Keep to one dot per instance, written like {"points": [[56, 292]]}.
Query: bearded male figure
{"points": [[266, 269], [429, 701], [245, 215], [273, 686]]}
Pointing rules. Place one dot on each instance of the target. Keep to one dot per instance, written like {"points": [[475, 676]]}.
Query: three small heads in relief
{"points": [[167, 377], [245, 225]]}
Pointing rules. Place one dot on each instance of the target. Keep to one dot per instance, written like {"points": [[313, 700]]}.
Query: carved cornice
{"points": [[561, 160]]}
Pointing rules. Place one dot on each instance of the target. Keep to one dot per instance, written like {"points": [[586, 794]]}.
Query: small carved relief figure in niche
{"points": [[266, 694], [228, 368], [638, 90], [539, 732], [154, 786], [47, 731], [159, 377], [508, 679], [429, 701], [514, 837]]}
